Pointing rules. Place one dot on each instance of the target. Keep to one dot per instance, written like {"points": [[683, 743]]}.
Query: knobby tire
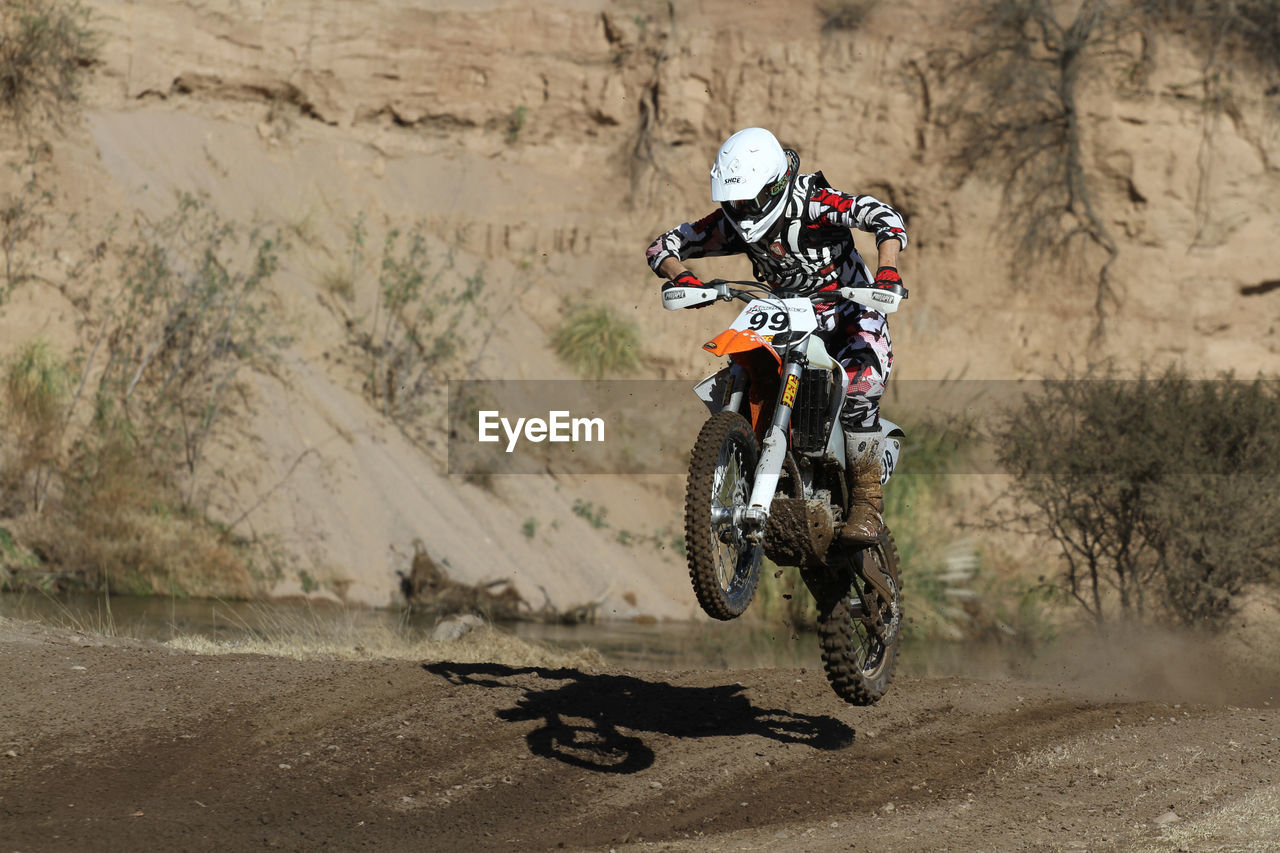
{"points": [[719, 600], [838, 630]]}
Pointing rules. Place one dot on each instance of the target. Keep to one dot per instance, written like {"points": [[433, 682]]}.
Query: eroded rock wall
{"points": [[548, 143]]}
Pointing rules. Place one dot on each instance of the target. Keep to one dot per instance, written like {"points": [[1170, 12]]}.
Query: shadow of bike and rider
{"points": [[586, 717]]}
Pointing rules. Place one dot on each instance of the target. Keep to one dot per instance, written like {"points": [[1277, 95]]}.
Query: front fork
{"points": [[773, 454]]}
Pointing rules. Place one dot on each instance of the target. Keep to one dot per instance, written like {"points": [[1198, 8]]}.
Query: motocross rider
{"points": [[796, 230]]}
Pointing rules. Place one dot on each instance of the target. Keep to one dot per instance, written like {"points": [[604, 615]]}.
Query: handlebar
{"points": [[881, 297], [728, 293]]}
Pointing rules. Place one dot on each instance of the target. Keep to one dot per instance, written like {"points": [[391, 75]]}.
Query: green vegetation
{"points": [[596, 342], [20, 568], [36, 392], [425, 314], [45, 48], [951, 590], [104, 463], [189, 316], [529, 528], [589, 511], [1159, 492], [948, 594], [515, 123], [783, 597]]}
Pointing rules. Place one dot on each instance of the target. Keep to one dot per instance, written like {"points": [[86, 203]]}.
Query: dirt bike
{"points": [[766, 478]]}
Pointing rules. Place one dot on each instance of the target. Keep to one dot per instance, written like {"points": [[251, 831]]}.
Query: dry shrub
{"points": [[113, 530], [843, 15], [1160, 491], [1012, 107], [114, 521], [24, 212], [45, 47], [427, 319], [36, 396], [188, 319], [140, 553], [1242, 30], [429, 588]]}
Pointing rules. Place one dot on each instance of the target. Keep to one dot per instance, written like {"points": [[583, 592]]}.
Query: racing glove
{"points": [[887, 277], [688, 279]]}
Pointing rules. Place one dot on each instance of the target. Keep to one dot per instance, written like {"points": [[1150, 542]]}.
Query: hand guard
{"points": [[884, 294], [887, 279]]}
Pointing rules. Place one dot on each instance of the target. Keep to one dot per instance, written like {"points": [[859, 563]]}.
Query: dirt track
{"points": [[128, 746]]}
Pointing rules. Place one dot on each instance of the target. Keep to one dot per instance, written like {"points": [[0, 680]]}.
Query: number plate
{"points": [[771, 316]]}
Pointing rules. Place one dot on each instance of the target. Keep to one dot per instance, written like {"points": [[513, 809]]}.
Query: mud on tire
{"points": [[724, 568], [858, 664]]}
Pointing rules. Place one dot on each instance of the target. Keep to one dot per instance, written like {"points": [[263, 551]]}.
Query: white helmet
{"points": [[748, 178]]}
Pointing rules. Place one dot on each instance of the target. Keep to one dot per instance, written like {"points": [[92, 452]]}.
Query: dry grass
{"points": [[119, 536], [350, 635], [27, 615], [340, 281], [598, 342], [1250, 823]]}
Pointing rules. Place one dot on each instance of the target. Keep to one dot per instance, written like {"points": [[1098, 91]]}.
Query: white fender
{"points": [[891, 436]]}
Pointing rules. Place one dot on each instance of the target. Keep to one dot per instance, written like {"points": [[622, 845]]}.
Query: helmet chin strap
{"points": [[775, 230]]}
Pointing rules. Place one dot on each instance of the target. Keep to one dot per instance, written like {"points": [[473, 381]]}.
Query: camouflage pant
{"points": [[858, 338]]}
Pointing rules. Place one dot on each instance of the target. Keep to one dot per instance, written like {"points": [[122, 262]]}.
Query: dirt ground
{"points": [[109, 744]]}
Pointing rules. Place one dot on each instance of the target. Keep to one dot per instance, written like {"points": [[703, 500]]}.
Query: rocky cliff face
{"points": [[548, 143]]}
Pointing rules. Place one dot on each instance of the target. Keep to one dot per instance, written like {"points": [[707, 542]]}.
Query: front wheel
{"points": [[860, 631], [723, 565]]}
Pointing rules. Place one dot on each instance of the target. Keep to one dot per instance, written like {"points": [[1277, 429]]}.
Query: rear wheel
{"points": [[860, 632], [723, 565]]}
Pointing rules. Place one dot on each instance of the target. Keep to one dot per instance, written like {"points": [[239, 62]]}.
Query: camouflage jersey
{"points": [[809, 249]]}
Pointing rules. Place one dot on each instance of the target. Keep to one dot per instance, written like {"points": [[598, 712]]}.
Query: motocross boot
{"points": [[866, 501]]}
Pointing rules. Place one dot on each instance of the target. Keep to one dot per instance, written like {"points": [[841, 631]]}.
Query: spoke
{"points": [[726, 496]]}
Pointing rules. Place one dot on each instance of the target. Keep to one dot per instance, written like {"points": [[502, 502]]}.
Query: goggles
{"points": [[763, 199]]}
